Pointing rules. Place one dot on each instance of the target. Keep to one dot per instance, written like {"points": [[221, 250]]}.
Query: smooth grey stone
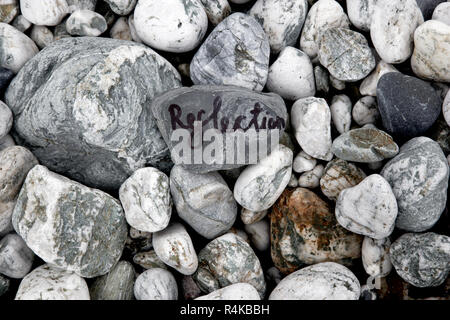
{"points": [[217, 10], [60, 31], [86, 23], [419, 177], [4, 285], [227, 260], [21, 23], [190, 288], [84, 131], [235, 53], [204, 201], [118, 284], [422, 260], [322, 79], [242, 108], [42, 36], [364, 145], [16, 258], [346, 54], [68, 225], [156, 284], [75, 5]]}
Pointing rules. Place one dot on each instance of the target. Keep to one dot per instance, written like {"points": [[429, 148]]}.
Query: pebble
{"points": [[21, 23], [228, 260], [204, 201], [259, 234], [16, 258], [6, 119], [249, 217], [375, 257], [322, 79], [442, 13], [121, 30], [122, 7], [118, 284], [323, 281], [133, 31], [360, 13], [49, 283], [311, 179], [6, 76], [6, 141], [174, 247], [293, 182], [149, 260], [422, 260], [235, 53], [336, 83], [216, 10], [322, 15], [75, 5], [446, 108], [156, 284], [190, 288], [16, 48], [430, 58], [146, 200], [60, 31], [281, 20], [369, 208], [260, 185], [408, 106], [303, 162], [237, 291], [305, 231], [42, 36], [419, 177], [292, 75], [341, 112], [94, 140], [48, 216], [346, 54], [44, 12], [86, 23], [392, 29], [369, 85], [427, 7], [171, 25], [8, 10], [4, 285], [311, 121], [364, 145], [366, 111]]}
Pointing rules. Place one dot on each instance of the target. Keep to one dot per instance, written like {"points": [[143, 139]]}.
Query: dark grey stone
{"points": [[6, 76], [81, 106], [408, 106], [4, 285], [118, 284]]}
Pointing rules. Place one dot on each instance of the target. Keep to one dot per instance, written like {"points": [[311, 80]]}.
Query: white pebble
{"points": [[237, 291], [86, 23], [156, 284], [303, 162], [360, 13], [366, 111], [216, 10], [369, 85], [442, 13], [375, 257], [341, 112], [311, 179], [42, 36], [122, 7], [259, 233], [249, 217], [44, 12], [121, 30]]}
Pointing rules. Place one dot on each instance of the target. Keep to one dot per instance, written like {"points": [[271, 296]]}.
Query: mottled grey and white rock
{"points": [[446, 108], [217, 109], [204, 201], [366, 111], [341, 112], [21, 23], [16, 48], [322, 78], [121, 30], [174, 247], [118, 284], [44, 12], [16, 258], [69, 225], [392, 28], [419, 177], [83, 131], [227, 260], [249, 217], [259, 234], [442, 13], [422, 260], [311, 179], [145, 198], [149, 260], [4, 285], [323, 281], [311, 121], [323, 14], [303, 162], [86, 23], [339, 175], [281, 20], [360, 13], [156, 284], [336, 83], [171, 25], [369, 85], [237, 291], [122, 7], [430, 57], [375, 257], [8, 10], [369, 208], [235, 53], [75, 5], [292, 75], [364, 145], [216, 10], [6, 119], [49, 283], [346, 54], [42, 36], [260, 185]]}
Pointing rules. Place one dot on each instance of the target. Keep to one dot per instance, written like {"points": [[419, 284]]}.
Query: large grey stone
{"points": [[69, 106]]}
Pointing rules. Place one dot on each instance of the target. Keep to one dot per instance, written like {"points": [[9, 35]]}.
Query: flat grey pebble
{"points": [[118, 284]]}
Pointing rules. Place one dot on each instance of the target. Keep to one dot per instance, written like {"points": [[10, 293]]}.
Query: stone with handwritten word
{"points": [[237, 291], [83, 131], [203, 125], [118, 284], [156, 284]]}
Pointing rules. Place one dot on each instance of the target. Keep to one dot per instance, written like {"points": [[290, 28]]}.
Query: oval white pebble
{"points": [[156, 284], [44, 12]]}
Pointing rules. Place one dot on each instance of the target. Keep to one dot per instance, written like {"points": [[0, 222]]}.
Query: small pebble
{"points": [[237, 291], [366, 111], [303, 162], [149, 260], [21, 23], [121, 30], [75, 5], [259, 234], [322, 78], [360, 13], [341, 112], [216, 10], [190, 288], [118, 284], [16, 258], [336, 83], [122, 7], [44, 12], [311, 179], [156, 284], [375, 257], [42, 36], [86, 23], [6, 119], [442, 13], [249, 217], [8, 10], [369, 85]]}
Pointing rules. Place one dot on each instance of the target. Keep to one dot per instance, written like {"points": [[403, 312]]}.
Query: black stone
{"points": [[408, 106], [6, 76]]}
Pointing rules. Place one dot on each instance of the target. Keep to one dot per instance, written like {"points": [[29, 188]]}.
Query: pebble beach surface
{"points": [[348, 201]]}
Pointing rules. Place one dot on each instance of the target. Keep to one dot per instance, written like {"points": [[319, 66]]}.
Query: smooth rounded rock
{"points": [[121, 30], [259, 234], [6, 76], [156, 284], [44, 12], [303, 162], [121, 7], [6, 119], [442, 13], [16, 258], [427, 7], [369, 85], [8, 10], [86, 23], [366, 111], [341, 112], [118, 284], [311, 179], [360, 13], [375, 257], [249, 217], [322, 79], [149, 260], [216, 10], [21, 23], [75, 5], [42, 36], [237, 291]]}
